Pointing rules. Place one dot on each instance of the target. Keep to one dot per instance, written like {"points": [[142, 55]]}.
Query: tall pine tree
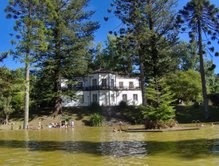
{"points": [[201, 19], [69, 38], [29, 35], [150, 31]]}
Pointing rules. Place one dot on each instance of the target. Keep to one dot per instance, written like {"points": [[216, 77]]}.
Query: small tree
{"points": [[159, 109], [11, 91], [7, 107]]}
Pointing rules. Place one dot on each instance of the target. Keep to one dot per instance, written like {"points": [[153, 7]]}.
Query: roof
{"points": [[103, 71]]}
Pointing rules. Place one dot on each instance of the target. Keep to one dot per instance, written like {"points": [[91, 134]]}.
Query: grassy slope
{"points": [[81, 116]]}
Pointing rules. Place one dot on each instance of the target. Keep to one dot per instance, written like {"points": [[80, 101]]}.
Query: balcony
{"points": [[100, 87]]}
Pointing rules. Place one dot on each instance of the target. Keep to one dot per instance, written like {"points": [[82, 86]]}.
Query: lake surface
{"points": [[86, 146]]}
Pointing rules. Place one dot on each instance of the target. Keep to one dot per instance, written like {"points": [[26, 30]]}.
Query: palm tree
{"points": [[202, 21]]}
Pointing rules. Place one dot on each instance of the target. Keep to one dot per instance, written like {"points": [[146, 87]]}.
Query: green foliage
{"points": [[11, 92], [96, 119], [123, 105], [187, 56], [212, 80], [148, 36], [29, 37], [214, 84], [18, 101], [113, 57], [185, 85], [70, 35], [66, 118], [200, 19], [189, 114], [160, 117], [163, 112], [6, 105], [200, 16], [160, 100], [134, 115]]}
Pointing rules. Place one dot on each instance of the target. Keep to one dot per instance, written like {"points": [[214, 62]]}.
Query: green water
{"points": [[87, 146]]}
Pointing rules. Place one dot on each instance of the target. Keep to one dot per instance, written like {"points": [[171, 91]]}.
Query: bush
{"points": [[158, 124], [160, 117], [122, 105], [163, 112], [96, 119], [134, 115], [159, 108]]}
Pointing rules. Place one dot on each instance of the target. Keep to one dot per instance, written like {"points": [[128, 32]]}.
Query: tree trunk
{"points": [[27, 89], [27, 69], [58, 107], [58, 97], [202, 71], [142, 80], [57, 86], [6, 119]]}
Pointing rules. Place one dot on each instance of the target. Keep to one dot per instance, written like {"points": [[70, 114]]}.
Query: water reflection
{"points": [[100, 146], [215, 148], [121, 149], [186, 148]]}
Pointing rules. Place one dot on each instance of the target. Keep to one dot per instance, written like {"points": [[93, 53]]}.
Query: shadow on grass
{"points": [[190, 149], [187, 114]]}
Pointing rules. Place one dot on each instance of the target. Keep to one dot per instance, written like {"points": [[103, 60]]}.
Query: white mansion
{"points": [[107, 89]]}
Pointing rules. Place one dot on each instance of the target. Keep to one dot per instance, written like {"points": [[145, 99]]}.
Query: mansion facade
{"points": [[107, 89]]}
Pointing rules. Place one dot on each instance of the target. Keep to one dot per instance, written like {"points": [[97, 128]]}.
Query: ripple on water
{"points": [[123, 148]]}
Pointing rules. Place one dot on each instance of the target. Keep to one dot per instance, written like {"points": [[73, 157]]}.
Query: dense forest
{"points": [[54, 39]]}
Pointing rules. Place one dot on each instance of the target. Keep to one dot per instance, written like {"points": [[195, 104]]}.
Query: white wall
{"points": [[126, 82], [105, 97], [67, 102], [129, 94]]}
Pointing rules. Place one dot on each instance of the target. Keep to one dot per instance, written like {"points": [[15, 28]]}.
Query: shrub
{"points": [[163, 112], [134, 115], [159, 109], [96, 119], [159, 117], [122, 105]]}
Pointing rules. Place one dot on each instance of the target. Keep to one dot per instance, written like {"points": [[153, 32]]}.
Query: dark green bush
{"points": [[96, 119], [133, 115], [123, 105]]}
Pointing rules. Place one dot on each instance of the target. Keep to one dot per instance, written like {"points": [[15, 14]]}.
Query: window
{"points": [[94, 82], [135, 97], [120, 84], [113, 97], [124, 97], [112, 82], [95, 98], [103, 82], [131, 85]]}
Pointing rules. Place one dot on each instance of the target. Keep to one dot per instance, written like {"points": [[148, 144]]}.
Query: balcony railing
{"points": [[100, 87]]}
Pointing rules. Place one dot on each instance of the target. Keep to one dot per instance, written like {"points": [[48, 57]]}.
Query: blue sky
{"points": [[100, 6]]}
